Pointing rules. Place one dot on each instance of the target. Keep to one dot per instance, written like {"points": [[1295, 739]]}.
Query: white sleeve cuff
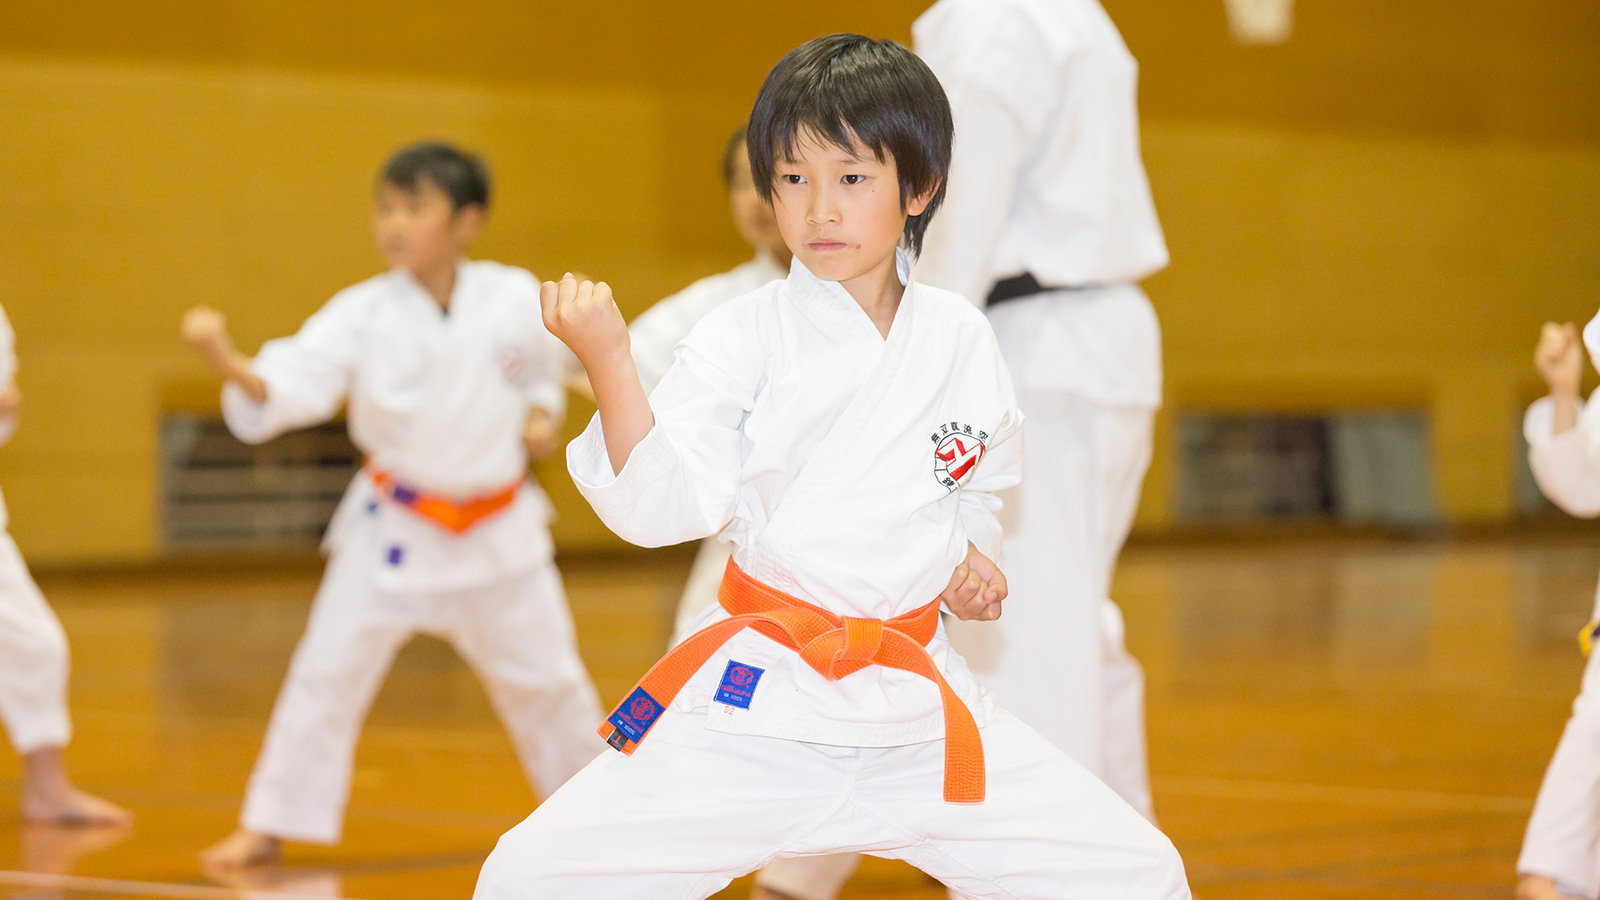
{"points": [[618, 498], [1539, 422], [249, 421]]}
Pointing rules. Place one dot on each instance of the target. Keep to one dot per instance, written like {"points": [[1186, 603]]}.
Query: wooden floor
{"points": [[1354, 719]]}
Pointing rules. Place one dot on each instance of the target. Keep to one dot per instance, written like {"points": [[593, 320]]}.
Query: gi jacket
{"points": [[846, 469], [1047, 178], [438, 399]]}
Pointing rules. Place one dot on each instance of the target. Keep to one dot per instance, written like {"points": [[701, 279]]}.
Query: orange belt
{"points": [[833, 645], [453, 516]]}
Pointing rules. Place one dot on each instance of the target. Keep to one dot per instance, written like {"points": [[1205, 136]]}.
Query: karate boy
{"points": [[846, 430], [452, 383], [1561, 850], [33, 663]]}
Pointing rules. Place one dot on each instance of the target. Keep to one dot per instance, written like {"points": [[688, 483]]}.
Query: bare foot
{"points": [[55, 850], [240, 850], [1539, 887], [71, 807]]}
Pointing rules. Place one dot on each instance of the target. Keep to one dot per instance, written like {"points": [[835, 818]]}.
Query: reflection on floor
{"points": [[1355, 719]]}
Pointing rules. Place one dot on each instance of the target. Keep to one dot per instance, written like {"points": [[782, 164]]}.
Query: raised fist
{"points": [[1559, 358], [583, 315], [205, 329]]}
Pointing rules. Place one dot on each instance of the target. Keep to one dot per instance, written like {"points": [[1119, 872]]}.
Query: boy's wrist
{"points": [[611, 365]]}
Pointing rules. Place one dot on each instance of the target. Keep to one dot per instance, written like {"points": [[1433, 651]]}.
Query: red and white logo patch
{"points": [[956, 451], [512, 363]]}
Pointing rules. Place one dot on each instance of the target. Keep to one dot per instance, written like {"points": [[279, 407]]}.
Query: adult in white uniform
{"points": [[451, 380], [33, 663], [1047, 182], [1561, 850], [845, 430], [656, 333], [1049, 221]]}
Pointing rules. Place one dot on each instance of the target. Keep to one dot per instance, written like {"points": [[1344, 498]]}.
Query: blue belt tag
{"points": [[403, 495], [636, 714], [396, 554], [738, 684]]}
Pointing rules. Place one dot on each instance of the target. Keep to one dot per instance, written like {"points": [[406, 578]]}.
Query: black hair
{"points": [[852, 90], [734, 146], [462, 176]]}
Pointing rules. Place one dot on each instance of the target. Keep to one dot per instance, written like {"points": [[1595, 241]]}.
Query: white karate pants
{"points": [[516, 634], [1058, 665], [693, 809], [33, 660], [1563, 837]]}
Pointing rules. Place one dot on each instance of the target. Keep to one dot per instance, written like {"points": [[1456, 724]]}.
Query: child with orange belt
{"points": [[452, 384], [845, 430]]}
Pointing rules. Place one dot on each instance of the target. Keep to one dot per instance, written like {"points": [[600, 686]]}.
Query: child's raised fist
{"points": [[583, 315], [1559, 358], [204, 329]]}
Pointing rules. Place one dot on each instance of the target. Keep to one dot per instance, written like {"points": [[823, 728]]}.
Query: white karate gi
{"points": [[33, 648], [1047, 179], [654, 337], [438, 400], [788, 423], [1563, 837]]}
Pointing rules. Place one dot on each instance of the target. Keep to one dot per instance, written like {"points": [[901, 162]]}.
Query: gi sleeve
{"points": [[1566, 466], [996, 69], [681, 481], [307, 374]]}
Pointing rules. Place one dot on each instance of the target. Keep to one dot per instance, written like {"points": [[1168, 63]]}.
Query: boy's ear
{"points": [[920, 202], [469, 221]]}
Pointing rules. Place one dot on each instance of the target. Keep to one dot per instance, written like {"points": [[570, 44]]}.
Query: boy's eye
{"points": [[794, 179], [853, 179]]}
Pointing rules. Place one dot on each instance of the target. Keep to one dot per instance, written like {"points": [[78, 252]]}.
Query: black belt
{"points": [[1022, 286], [1013, 287]]}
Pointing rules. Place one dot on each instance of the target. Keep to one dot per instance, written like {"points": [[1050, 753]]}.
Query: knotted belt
{"points": [[449, 514], [835, 646]]}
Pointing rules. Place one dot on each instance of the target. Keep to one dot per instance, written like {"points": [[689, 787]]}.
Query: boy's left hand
{"points": [[539, 435], [976, 588], [10, 400]]}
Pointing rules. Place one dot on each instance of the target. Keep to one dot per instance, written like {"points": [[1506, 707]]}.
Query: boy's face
{"points": [[752, 217], [839, 208], [418, 229]]}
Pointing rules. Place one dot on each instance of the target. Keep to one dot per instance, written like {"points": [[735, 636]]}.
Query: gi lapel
{"points": [[836, 459]]}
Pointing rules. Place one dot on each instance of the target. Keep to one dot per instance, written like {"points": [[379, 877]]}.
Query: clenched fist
{"points": [[1559, 358], [976, 588], [583, 315], [206, 330]]}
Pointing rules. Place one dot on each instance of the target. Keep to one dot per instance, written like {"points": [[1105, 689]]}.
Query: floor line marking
{"points": [[144, 888]]}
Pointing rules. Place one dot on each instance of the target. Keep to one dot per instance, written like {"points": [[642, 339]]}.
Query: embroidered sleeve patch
{"points": [[636, 714], [738, 684]]}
